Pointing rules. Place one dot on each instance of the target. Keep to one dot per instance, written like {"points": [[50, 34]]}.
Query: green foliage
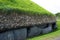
{"points": [[25, 5], [58, 14], [58, 24]]}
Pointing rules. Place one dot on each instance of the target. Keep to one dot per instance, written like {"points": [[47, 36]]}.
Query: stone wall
{"points": [[19, 27], [23, 33], [19, 20], [19, 34], [42, 29], [33, 31]]}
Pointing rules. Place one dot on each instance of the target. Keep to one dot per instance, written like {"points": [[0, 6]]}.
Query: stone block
{"points": [[47, 29], [20, 34], [33, 31], [7, 35], [54, 26]]}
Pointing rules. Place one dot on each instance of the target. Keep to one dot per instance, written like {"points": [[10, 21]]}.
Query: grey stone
{"points": [[39, 30], [10, 35], [54, 26], [7, 35], [34, 31], [47, 29], [15, 20], [20, 34]]}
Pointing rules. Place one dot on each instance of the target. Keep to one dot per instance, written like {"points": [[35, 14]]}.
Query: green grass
{"points": [[24, 5], [58, 25], [49, 36]]}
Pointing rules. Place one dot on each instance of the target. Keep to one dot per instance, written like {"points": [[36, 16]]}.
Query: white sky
{"points": [[50, 5]]}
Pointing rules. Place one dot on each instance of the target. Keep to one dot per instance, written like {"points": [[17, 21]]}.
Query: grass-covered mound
{"points": [[22, 6], [36, 14]]}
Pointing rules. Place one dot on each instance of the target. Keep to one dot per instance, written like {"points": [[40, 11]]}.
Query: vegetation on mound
{"points": [[23, 6], [58, 14]]}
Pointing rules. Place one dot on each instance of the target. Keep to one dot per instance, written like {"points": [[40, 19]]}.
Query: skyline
{"points": [[51, 5]]}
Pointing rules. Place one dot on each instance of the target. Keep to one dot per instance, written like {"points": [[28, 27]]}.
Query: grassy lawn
{"points": [[49, 36]]}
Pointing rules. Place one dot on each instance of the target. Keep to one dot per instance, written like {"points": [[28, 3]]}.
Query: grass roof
{"points": [[23, 5]]}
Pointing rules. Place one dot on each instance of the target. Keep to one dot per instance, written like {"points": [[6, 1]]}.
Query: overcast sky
{"points": [[50, 5]]}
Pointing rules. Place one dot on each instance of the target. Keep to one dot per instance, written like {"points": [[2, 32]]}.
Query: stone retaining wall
{"points": [[23, 33], [19, 34], [15, 20]]}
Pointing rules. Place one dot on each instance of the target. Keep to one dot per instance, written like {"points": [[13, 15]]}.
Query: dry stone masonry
{"points": [[16, 26]]}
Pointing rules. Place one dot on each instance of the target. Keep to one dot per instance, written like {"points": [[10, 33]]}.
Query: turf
{"points": [[23, 5], [58, 24], [49, 36]]}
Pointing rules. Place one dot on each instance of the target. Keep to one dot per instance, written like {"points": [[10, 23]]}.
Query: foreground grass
{"points": [[49, 36], [24, 5]]}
